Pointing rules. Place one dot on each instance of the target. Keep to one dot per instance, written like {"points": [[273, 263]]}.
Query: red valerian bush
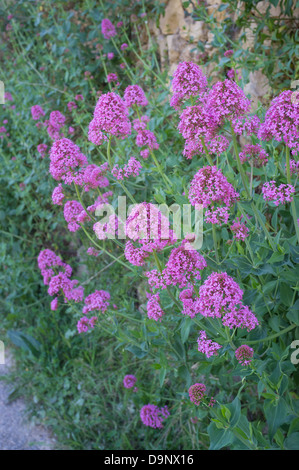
{"points": [[186, 289]]}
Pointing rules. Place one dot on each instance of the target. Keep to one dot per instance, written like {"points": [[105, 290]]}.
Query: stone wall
{"points": [[178, 35]]}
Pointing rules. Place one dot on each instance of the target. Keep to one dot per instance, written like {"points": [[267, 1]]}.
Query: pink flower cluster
{"points": [[111, 117], [248, 125], [218, 145], [278, 194], [221, 297], [146, 138], [189, 300], [207, 346], [149, 228], [108, 229], [282, 121], [197, 123], [154, 309], [133, 167], [58, 195], [55, 123], [227, 101], [66, 162], [209, 187], [84, 324], [42, 148], [72, 211], [49, 263], [183, 268], [129, 381], [98, 300], [153, 416], [239, 229], [62, 284], [228, 53], [255, 154], [141, 124], [37, 112], [57, 275], [294, 167], [197, 393], [134, 96], [112, 77], [108, 29], [244, 354], [188, 80], [94, 176]]}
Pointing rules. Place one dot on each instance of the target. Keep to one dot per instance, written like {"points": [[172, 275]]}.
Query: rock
{"points": [[175, 45], [174, 14], [191, 30], [258, 87], [219, 16]]}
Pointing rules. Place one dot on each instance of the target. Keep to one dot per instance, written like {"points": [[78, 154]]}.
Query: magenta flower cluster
{"points": [[239, 229], [221, 297], [197, 393], [244, 354], [182, 269], [207, 346], [210, 188], [108, 29], [153, 416], [110, 117], [154, 309], [57, 275], [135, 96], [255, 154], [132, 168], [150, 231], [188, 81], [129, 381], [278, 194], [282, 121]]}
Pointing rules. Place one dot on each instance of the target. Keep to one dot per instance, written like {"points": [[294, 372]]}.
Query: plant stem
{"points": [[276, 335], [82, 203], [240, 168], [160, 170], [215, 243], [293, 205], [206, 152]]}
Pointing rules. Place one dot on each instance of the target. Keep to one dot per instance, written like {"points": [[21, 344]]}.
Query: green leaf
{"points": [[219, 438], [185, 328], [225, 412], [162, 375], [24, 341], [137, 351], [276, 414], [292, 442]]}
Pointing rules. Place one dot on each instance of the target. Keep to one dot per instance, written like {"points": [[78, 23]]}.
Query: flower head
{"points": [[188, 80], [134, 95], [37, 112], [153, 416], [282, 121], [111, 117], [227, 100], [108, 30], [197, 393], [66, 161], [244, 355], [207, 346], [129, 381], [278, 194]]}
